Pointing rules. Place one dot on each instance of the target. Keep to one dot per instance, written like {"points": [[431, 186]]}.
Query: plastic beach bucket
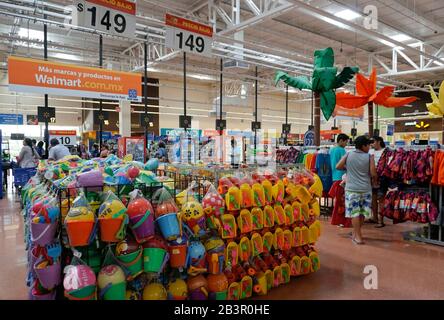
{"points": [[79, 232], [142, 226], [178, 255], [86, 293], [43, 233], [169, 226], [154, 259], [133, 262], [47, 296], [50, 276], [110, 229], [114, 292]]}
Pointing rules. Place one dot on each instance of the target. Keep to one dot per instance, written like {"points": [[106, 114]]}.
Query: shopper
{"points": [[104, 152], [360, 168], [233, 152], [40, 149], [95, 153], [380, 184], [28, 157], [337, 190], [83, 151], [161, 152], [57, 150]]}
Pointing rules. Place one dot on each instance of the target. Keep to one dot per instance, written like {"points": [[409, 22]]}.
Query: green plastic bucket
{"points": [[86, 293], [221, 295], [114, 292], [153, 259], [133, 262]]}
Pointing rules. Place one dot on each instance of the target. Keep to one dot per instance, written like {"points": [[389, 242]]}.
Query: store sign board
{"points": [[11, 118], [65, 137], [70, 80], [187, 35], [116, 17], [390, 129], [32, 120], [349, 114], [176, 132]]}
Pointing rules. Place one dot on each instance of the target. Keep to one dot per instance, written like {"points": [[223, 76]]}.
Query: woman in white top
{"points": [[380, 186], [28, 155]]}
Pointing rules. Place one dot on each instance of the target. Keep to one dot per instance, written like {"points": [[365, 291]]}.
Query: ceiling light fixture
{"points": [[400, 37], [347, 14]]}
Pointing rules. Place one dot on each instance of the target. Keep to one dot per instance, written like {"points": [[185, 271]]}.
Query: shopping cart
{"points": [[22, 176]]}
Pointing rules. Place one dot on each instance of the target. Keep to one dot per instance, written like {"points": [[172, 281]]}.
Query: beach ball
{"points": [[154, 291]]}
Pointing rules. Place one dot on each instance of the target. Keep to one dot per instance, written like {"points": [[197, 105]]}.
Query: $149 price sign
{"points": [[116, 17], [187, 35]]}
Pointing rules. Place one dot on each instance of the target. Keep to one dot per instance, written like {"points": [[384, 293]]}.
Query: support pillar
{"points": [[370, 119], [125, 118], [317, 119]]}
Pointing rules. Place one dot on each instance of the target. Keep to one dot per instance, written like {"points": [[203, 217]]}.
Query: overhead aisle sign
{"points": [[116, 17], [187, 35], [40, 76]]}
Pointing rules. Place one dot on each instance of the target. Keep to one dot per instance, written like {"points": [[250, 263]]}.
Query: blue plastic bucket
{"points": [[169, 226]]}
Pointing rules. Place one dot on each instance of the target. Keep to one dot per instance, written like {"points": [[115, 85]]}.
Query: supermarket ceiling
{"points": [[406, 45]]}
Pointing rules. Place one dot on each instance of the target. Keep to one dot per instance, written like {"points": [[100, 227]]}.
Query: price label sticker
{"points": [[65, 137], [187, 35], [116, 17]]}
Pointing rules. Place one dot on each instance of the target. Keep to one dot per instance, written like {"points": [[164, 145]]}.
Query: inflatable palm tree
{"points": [[367, 94], [436, 107], [324, 81]]}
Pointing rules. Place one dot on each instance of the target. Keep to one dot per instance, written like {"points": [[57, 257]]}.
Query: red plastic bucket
{"points": [[79, 232], [178, 255]]}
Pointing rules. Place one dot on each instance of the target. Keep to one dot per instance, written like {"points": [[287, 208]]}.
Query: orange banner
{"points": [[39, 76], [62, 132], [357, 114], [188, 25], [119, 5]]}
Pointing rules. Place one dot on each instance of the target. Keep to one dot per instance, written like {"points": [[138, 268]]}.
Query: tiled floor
{"points": [[406, 270]]}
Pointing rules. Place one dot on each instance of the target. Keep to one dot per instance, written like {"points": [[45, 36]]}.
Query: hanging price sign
{"points": [[65, 137], [116, 17], [187, 35]]}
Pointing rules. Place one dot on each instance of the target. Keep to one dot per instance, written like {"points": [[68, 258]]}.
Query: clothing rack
{"points": [[433, 232]]}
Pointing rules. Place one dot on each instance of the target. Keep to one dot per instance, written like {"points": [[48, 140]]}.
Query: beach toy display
{"points": [[79, 222], [111, 282], [178, 250], [155, 254], [213, 205], [123, 241], [154, 291], [217, 286], [177, 290], [130, 254], [197, 287], [93, 178], [112, 218], [194, 218], [166, 213], [79, 283], [44, 222], [47, 267], [141, 217], [196, 259]]}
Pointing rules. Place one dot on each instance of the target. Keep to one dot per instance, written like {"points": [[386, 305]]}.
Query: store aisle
{"points": [[12, 250], [406, 270]]}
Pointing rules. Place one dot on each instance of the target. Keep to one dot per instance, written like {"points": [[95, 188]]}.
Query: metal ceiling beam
{"points": [[415, 14], [351, 26], [280, 8]]}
